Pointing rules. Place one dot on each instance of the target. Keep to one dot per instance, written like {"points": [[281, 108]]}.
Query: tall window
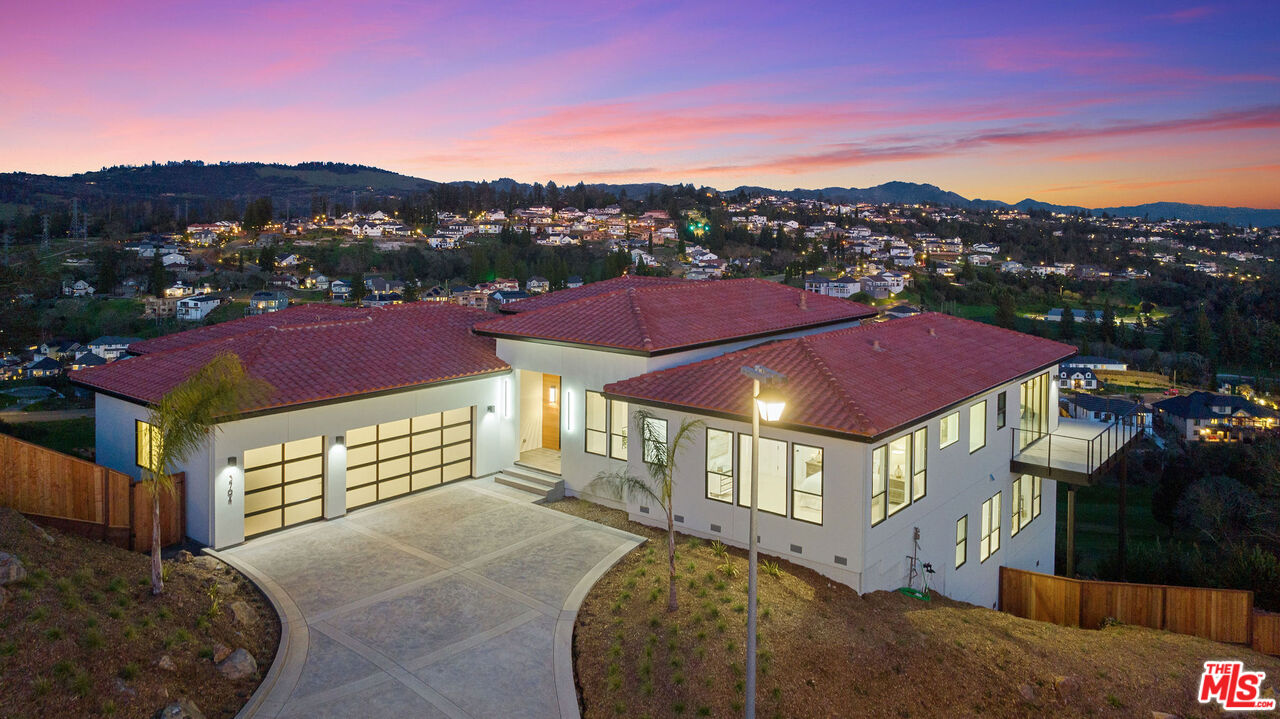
{"points": [[1001, 400], [949, 430], [897, 475], [606, 426], [654, 434], [806, 483], [719, 465], [618, 429], [1026, 502], [597, 423], [773, 474], [989, 541], [962, 540], [1033, 409], [977, 426], [146, 445]]}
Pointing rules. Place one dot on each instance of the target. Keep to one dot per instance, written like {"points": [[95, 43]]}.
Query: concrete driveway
{"points": [[456, 602]]}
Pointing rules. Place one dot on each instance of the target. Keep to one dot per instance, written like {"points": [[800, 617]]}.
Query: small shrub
{"points": [[81, 684], [38, 576], [91, 640], [163, 613], [8, 649], [53, 634], [771, 568], [1114, 701], [728, 569], [206, 653], [116, 585], [39, 614], [115, 613], [128, 672], [64, 668], [718, 549], [678, 708], [739, 608], [41, 686], [108, 708], [63, 586], [704, 711]]}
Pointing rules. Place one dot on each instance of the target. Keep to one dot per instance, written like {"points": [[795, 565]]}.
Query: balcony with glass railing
{"points": [[1077, 452]]}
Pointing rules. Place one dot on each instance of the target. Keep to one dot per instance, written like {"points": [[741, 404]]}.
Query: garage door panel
{"points": [[389, 448], [303, 448], [426, 440], [284, 485], [362, 455], [425, 460], [303, 468], [456, 452], [456, 471], [299, 491], [407, 455], [393, 468], [361, 496], [455, 416], [261, 478], [262, 499], [259, 523], [426, 421], [361, 476], [429, 478], [393, 488], [262, 456], [362, 435], [453, 435], [304, 512]]}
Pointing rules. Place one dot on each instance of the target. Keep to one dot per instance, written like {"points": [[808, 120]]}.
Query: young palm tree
{"points": [[659, 458], [181, 421]]}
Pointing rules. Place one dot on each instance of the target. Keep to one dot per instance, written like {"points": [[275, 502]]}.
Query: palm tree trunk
{"points": [[671, 561], [157, 570]]}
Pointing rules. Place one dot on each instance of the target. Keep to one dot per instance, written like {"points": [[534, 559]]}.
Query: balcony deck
{"points": [[1077, 452]]}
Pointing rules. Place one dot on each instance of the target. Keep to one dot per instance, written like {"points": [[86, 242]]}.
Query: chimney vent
{"points": [[932, 333], [804, 300], [875, 345]]}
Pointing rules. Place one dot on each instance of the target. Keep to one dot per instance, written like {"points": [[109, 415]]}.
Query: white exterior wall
{"points": [[581, 369], [957, 484], [214, 520]]}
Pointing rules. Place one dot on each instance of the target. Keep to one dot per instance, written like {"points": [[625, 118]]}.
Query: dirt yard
{"points": [[825, 651], [82, 635]]}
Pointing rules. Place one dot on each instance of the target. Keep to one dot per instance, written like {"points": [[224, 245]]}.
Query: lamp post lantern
{"points": [[767, 403]]}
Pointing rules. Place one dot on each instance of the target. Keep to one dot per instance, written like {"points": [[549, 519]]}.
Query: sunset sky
{"points": [[1090, 103]]}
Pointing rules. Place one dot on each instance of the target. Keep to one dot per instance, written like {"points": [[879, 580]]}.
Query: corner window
{"points": [[806, 483], [146, 445], [1000, 410], [897, 475], [597, 423], [618, 429], [989, 540], [962, 540], [772, 496], [719, 465], [977, 426], [654, 433], [949, 430], [1026, 502]]}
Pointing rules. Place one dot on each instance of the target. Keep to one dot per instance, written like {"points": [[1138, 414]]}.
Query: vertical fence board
{"points": [[1266, 632]]}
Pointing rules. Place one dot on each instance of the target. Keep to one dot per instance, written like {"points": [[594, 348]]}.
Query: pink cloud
{"points": [[1190, 14]]}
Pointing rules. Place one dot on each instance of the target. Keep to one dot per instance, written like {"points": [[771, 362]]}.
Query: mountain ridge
{"points": [[248, 179]]}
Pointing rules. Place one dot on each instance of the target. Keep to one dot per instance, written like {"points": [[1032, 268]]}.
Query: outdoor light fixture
{"points": [[551, 394], [489, 409], [506, 398], [568, 410], [339, 441], [770, 403]]}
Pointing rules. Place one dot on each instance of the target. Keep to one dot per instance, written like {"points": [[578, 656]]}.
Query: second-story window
{"points": [[719, 465], [1001, 415], [897, 475], [949, 430], [977, 426]]}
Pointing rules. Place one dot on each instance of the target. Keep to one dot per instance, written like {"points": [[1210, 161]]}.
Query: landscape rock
{"points": [[43, 534], [243, 613], [1067, 687], [212, 564], [184, 557], [238, 665], [220, 652], [166, 663], [1162, 715], [1028, 693], [11, 570], [181, 709], [227, 586]]}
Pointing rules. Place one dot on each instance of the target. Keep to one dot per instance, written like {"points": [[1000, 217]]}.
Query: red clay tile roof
{"points": [[863, 381], [297, 315], [309, 356], [590, 290], [668, 318]]}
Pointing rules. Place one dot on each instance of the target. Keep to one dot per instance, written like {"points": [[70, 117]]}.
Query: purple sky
{"points": [[1094, 103]]}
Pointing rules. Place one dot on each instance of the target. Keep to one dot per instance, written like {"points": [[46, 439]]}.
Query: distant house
{"points": [[340, 290], [1077, 313], [898, 312], [502, 297], [79, 288], [382, 299], [86, 359], [1094, 362], [267, 301], [573, 282], [196, 307], [289, 261], [162, 307], [60, 349], [1073, 377], [173, 259], [111, 347], [537, 284], [382, 284], [1106, 409], [43, 367], [1209, 417], [316, 281], [288, 282]]}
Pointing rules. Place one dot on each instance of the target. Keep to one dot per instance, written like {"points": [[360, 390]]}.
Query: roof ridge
{"points": [[634, 304], [830, 377]]}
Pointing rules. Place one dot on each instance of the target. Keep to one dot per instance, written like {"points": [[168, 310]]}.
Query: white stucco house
{"points": [[196, 307], [928, 422]]}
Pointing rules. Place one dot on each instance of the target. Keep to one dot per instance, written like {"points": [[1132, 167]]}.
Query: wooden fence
{"points": [[1223, 615], [78, 496]]}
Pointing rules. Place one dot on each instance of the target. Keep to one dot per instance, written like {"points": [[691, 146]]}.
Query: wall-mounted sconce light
{"points": [[489, 410], [568, 410], [506, 398], [339, 441]]}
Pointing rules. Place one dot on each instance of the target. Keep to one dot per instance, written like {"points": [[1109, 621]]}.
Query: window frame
{"points": [[744, 469], [912, 474], [822, 481], [153, 444], [733, 459], [586, 423], [613, 429], [962, 541], [983, 425], [1002, 410], [646, 442], [955, 436], [991, 530]]}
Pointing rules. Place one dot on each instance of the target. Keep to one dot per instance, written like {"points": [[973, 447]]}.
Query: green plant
{"points": [[771, 568], [215, 601], [728, 569], [53, 634], [41, 686], [128, 672], [39, 614], [108, 707], [81, 684], [91, 640], [718, 549], [1114, 701]]}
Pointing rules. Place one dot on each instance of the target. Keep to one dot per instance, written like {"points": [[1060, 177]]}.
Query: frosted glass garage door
{"points": [[283, 485], [394, 458]]}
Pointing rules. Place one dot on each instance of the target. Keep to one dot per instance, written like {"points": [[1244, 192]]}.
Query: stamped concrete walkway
{"points": [[456, 602]]}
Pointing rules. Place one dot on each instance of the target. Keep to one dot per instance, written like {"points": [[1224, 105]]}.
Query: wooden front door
{"points": [[551, 401]]}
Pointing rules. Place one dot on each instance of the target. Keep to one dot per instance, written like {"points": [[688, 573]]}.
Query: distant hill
{"points": [[243, 180]]}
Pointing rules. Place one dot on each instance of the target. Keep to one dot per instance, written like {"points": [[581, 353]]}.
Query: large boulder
{"points": [[238, 665], [166, 663], [181, 709], [244, 614], [11, 570]]}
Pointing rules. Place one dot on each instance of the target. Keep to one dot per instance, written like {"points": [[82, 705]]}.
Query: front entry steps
{"points": [[548, 487]]}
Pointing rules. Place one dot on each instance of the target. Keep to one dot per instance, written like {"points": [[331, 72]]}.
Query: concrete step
{"points": [[544, 489], [533, 476]]}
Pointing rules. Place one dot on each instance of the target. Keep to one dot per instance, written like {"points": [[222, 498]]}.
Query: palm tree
{"points": [[659, 458], [180, 423]]}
